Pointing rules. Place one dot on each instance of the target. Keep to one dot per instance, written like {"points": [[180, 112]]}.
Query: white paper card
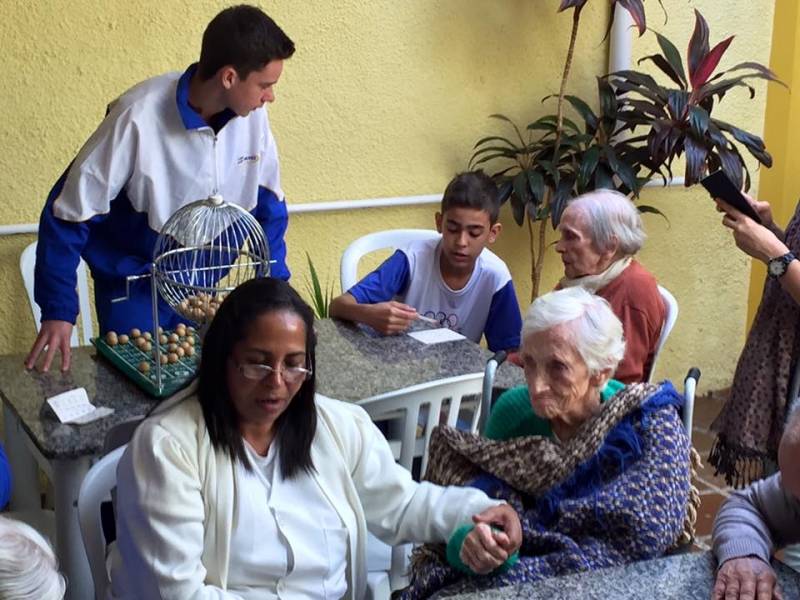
{"points": [[73, 406], [436, 336], [97, 413]]}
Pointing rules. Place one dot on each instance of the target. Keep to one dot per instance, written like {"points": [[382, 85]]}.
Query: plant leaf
{"points": [[559, 201], [665, 67], [645, 208], [732, 165], [608, 99], [763, 71], [698, 120], [536, 186], [517, 209], [635, 9], [673, 57], [698, 44], [621, 170], [677, 102], [696, 153], [709, 63], [320, 299], [514, 125], [494, 138], [577, 4], [584, 111], [602, 178], [588, 165], [504, 191], [486, 158]]}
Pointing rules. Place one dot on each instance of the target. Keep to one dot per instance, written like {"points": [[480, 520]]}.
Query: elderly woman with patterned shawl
{"points": [[599, 472]]}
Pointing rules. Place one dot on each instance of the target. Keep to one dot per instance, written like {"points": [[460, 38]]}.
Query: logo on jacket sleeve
{"points": [[248, 158]]}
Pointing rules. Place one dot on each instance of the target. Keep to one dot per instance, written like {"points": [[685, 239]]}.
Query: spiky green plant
{"points": [[320, 297]]}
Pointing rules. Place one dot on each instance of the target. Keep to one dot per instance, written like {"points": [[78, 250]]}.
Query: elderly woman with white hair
{"points": [[28, 567], [599, 472], [600, 233]]}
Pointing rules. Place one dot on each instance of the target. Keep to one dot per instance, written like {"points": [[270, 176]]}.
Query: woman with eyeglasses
{"points": [[250, 486]]}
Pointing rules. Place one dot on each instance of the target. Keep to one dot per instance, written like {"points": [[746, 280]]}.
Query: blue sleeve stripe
{"points": [[5, 479], [504, 323], [58, 253], [385, 282], [271, 212]]}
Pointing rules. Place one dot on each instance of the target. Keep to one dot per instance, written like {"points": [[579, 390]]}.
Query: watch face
{"points": [[776, 267]]}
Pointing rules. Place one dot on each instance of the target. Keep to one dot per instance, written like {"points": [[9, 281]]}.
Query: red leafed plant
{"points": [[679, 120], [639, 129]]}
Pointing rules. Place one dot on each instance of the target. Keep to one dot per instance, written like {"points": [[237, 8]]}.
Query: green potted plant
{"points": [[320, 295], [641, 127]]}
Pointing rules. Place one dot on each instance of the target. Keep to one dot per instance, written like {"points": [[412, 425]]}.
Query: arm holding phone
{"points": [[763, 242]]}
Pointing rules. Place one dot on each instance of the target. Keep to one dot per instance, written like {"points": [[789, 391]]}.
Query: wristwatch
{"points": [[777, 266]]}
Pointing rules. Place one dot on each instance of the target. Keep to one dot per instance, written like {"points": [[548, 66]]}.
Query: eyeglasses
{"points": [[259, 372]]}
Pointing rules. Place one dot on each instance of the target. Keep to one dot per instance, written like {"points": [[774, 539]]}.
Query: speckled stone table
{"points": [[678, 577], [35, 436], [353, 363]]}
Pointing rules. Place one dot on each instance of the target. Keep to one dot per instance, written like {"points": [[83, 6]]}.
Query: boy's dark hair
{"points": [[244, 37], [472, 189], [296, 427]]}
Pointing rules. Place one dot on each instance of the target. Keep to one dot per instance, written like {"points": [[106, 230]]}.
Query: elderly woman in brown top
{"points": [[601, 232]]}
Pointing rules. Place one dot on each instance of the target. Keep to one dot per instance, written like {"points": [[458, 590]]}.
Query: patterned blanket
{"points": [[618, 491]]}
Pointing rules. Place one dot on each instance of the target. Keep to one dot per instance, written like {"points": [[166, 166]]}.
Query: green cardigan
{"points": [[512, 416]]}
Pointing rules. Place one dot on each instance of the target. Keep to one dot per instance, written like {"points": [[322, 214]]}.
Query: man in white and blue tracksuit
{"points": [[164, 143]]}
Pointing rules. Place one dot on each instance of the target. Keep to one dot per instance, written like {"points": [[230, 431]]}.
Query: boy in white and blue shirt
{"points": [[455, 279]]}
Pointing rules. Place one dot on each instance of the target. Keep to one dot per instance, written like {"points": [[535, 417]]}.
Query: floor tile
{"points": [[709, 505], [706, 408]]}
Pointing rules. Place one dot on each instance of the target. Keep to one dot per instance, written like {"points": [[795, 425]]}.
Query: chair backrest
{"points": [[392, 238], [96, 489], [404, 406], [671, 306], [27, 262], [489, 373]]}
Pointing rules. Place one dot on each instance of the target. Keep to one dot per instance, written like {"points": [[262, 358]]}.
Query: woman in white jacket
{"points": [[252, 487]]}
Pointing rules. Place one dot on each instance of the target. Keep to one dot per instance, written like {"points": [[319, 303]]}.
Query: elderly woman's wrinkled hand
{"points": [[506, 518], [496, 536], [753, 239], [746, 578], [482, 550]]}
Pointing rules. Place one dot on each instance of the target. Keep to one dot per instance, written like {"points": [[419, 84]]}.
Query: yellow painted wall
{"points": [[381, 99], [780, 185]]}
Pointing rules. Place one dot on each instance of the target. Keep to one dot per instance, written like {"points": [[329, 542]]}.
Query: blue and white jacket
{"points": [[151, 155]]}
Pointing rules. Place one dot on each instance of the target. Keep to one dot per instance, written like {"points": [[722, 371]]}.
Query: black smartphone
{"points": [[719, 186]]}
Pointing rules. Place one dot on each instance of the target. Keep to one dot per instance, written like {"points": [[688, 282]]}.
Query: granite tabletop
{"points": [[677, 577], [353, 363]]}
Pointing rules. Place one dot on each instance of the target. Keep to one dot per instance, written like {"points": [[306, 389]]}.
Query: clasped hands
{"points": [[496, 536]]}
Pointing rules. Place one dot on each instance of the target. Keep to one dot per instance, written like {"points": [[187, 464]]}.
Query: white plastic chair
{"points": [[27, 262], [392, 239], [96, 489], [671, 306], [402, 408]]}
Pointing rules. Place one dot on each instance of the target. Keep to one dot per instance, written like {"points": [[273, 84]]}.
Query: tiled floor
{"points": [[713, 489]]}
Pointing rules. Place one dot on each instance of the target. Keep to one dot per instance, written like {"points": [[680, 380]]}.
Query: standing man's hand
{"points": [[746, 578], [53, 336]]}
